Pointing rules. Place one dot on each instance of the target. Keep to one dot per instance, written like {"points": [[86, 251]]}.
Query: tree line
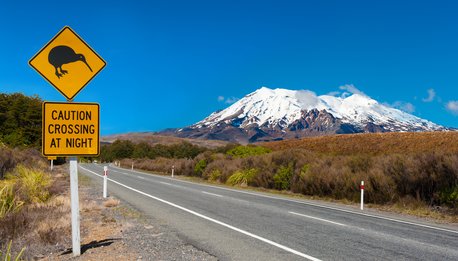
{"points": [[121, 149], [20, 120]]}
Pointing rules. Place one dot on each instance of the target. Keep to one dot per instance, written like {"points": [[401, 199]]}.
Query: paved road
{"points": [[243, 225]]}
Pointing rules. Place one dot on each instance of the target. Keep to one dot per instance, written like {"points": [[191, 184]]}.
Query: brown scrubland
{"points": [[406, 170]]}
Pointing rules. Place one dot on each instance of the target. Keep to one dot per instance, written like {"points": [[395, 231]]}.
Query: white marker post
{"points": [[76, 244], [362, 194], [132, 165], [52, 164], [105, 172], [173, 169]]}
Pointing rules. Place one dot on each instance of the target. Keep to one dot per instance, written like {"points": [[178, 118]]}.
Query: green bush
{"points": [[141, 150], [33, 183], [242, 177], [450, 197], [282, 179], [200, 167], [215, 175], [246, 151], [8, 201]]}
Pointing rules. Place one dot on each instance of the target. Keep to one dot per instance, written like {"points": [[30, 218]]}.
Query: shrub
{"points": [[121, 149], [359, 163], [7, 161], [282, 179], [33, 183], [242, 177], [227, 167], [200, 167], [141, 150], [449, 197], [9, 203], [246, 151], [215, 175], [298, 181]]}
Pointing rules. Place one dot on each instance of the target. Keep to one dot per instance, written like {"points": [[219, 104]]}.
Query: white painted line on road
{"points": [[170, 184], [320, 219], [212, 194], [265, 240], [313, 204]]}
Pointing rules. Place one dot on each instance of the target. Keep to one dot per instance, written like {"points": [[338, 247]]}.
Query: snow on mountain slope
{"points": [[281, 107]]}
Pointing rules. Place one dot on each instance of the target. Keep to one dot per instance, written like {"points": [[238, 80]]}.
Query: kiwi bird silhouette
{"points": [[63, 54]]}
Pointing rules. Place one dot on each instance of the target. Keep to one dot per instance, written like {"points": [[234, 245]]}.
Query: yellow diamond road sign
{"points": [[68, 63], [70, 129]]}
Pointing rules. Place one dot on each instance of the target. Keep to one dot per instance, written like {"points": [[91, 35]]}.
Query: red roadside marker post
{"points": [[105, 177], [362, 194]]}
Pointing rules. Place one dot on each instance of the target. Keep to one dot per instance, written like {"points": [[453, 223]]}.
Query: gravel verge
{"points": [[120, 232]]}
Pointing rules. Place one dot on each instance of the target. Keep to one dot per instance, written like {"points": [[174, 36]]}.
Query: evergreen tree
{"points": [[20, 120]]}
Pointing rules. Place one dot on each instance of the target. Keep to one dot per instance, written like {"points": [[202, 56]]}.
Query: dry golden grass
{"points": [[374, 143], [111, 202]]}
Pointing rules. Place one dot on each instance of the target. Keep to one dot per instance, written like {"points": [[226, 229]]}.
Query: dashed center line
{"points": [[170, 184], [212, 194], [320, 219]]}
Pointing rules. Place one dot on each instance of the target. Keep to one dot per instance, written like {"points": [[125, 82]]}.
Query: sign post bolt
{"points": [[105, 173], [362, 194]]}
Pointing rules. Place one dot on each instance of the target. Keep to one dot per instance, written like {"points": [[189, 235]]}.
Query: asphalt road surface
{"points": [[244, 225]]}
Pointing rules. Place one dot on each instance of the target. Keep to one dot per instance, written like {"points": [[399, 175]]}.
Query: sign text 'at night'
{"points": [[70, 129]]}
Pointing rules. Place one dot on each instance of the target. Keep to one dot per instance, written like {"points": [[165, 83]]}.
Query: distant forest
{"points": [[20, 120]]}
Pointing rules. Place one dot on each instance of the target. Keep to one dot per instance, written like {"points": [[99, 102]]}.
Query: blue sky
{"points": [[172, 63]]}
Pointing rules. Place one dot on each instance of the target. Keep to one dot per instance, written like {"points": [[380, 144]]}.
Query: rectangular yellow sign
{"points": [[70, 129]]}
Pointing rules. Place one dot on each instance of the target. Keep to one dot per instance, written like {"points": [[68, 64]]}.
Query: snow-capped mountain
{"points": [[268, 114]]}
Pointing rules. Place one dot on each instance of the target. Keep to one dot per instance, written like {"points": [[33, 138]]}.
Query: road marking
{"points": [[320, 219], [265, 240], [312, 204], [170, 184], [208, 193]]}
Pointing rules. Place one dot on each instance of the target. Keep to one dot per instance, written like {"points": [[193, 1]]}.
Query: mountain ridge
{"points": [[276, 114]]}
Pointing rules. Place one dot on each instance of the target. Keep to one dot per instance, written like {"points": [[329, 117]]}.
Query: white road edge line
{"points": [[212, 194], [213, 220], [320, 219], [309, 204]]}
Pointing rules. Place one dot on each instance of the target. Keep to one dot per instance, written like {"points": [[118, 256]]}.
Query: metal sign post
{"points": [[51, 159], [76, 242]]}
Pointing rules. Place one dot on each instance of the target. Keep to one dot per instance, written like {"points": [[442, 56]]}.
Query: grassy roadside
{"points": [[34, 210]]}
